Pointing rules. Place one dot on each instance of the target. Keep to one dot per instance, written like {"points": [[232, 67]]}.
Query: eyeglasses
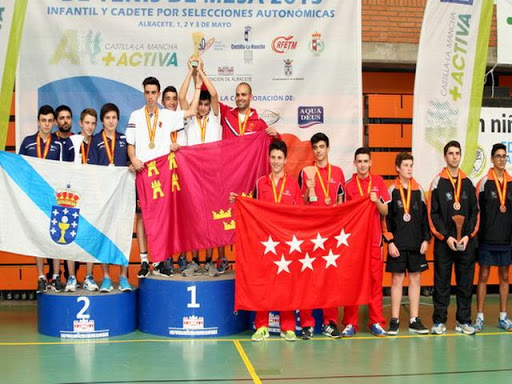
{"points": [[500, 157]]}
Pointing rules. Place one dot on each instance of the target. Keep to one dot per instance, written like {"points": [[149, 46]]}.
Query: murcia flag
{"points": [[290, 257], [66, 210]]}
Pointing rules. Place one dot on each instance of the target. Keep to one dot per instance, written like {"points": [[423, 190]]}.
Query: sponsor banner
{"points": [[449, 82], [495, 127], [504, 26], [294, 54], [66, 211]]}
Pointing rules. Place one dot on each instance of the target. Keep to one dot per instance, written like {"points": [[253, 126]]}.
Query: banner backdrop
{"points": [[504, 26], [302, 58], [449, 82]]}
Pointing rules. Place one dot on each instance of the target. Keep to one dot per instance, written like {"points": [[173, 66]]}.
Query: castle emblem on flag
{"points": [[64, 217]]}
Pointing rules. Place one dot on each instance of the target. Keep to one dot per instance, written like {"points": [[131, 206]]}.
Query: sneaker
{"points": [[124, 285], [417, 327], [90, 284], [182, 263], [377, 330], [56, 285], [505, 324], [163, 269], [211, 269], [394, 326], [222, 266], [478, 325], [438, 329], [143, 271], [466, 329], [289, 335], [191, 269], [42, 284], [308, 333], [71, 284], [331, 330], [349, 331], [260, 334], [106, 286]]}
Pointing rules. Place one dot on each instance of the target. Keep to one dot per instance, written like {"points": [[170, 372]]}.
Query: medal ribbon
{"points": [[325, 188], [46, 147], [85, 152], [502, 191], [406, 203], [174, 137], [242, 125], [202, 126], [361, 189], [151, 129], [109, 150], [277, 198], [456, 191]]}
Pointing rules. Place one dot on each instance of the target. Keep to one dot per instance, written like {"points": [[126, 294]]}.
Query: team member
{"points": [[363, 183], [203, 128], [279, 188], [495, 201], [322, 184], [44, 145], [170, 102], [109, 148], [452, 197], [407, 233], [242, 120], [149, 136], [79, 155], [64, 120]]}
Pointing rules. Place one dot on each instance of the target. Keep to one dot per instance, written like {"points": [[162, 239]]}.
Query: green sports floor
{"points": [[27, 357]]}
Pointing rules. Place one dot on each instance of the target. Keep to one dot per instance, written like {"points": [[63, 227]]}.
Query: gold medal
{"points": [[44, 153], [328, 201], [277, 197], [151, 128], [456, 188], [503, 208], [456, 206], [109, 150], [151, 145], [325, 186], [406, 217]]}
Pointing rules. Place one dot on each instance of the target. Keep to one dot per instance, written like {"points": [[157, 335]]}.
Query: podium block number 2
{"points": [[193, 297], [81, 313]]}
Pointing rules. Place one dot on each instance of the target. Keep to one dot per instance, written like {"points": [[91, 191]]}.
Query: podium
{"points": [[86, 315], [188, 307]]}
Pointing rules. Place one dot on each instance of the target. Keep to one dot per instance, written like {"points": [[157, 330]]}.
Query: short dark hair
{"points": [[61, 108], [205, 95], [496, 147], [169, 88], [88, 111], [108, 108], [151, 81], [319, 136], [400, 157], [248, 86], [452, 143], [279, 145], [363, 151], [45, 110]]}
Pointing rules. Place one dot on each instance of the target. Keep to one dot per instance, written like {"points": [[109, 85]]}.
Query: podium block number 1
{"points": [[193, 297]]}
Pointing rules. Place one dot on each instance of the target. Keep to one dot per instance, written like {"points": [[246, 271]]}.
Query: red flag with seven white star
{"points": [[299, 257]]}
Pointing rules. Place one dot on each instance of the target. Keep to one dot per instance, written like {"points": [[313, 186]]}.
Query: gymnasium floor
{"points": [[27, 357]]}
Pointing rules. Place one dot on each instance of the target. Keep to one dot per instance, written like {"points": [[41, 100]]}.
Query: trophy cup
{"points": [[459, 222], [197, 37], [310, 173]]}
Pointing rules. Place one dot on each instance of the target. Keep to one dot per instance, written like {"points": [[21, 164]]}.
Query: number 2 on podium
{"points": [[193, 297]]}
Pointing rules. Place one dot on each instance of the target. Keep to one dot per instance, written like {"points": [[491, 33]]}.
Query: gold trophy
{"points": [[197, 37], [64, 226], [310, 172], [459, 222]]}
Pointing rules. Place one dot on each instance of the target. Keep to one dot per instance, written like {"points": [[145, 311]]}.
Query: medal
{"points": [[277, 198], [111, 165], [243, 124], [406, 217], [361, 188], [406, 201], [46, 147], [502, 190], [325, 186], [84, 148], [456, 189], [151, 145], [202, 126], [151, 128], [109, 150], [456, 206]]}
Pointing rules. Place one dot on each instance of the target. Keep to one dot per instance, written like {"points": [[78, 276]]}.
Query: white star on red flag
{"points": [[270, 245], [294, 244], [307, 262], [330, 259], [342, 238], [283, 265], [319, 242]]}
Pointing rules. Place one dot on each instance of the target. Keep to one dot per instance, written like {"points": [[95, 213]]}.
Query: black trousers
{"points": [[464, 261]]}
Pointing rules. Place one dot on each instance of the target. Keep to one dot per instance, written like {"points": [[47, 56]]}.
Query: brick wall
{"points": [[398, 21]]}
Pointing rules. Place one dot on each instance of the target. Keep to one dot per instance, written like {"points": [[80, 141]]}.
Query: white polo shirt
{"points": [[213, 130]]}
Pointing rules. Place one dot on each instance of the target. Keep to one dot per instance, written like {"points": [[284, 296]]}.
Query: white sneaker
{"points": [[90, 284], [466, 329], [71, 284], [438, 329]]}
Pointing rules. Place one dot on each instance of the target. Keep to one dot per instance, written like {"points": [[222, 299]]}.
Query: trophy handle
{"points": [[310, 173], [459, 223]]}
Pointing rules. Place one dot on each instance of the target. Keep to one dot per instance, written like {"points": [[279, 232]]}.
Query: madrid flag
{"points": [[300, 257]]}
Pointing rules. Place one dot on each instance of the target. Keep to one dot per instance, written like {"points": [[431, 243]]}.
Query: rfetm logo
{"points": [[282, 44]]}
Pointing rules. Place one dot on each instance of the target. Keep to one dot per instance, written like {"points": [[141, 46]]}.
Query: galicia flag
{"points": [[64, 210], [184, 196], [300, 257]]}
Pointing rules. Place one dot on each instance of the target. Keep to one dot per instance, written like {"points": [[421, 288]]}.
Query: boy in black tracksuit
{"points": [[453, 194], [407, 233]]}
